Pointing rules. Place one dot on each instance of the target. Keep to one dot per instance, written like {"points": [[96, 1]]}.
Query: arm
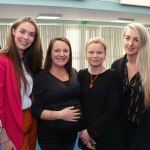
{"points": [[40, 105], [67, 114], [2, 84], [4, 139]]}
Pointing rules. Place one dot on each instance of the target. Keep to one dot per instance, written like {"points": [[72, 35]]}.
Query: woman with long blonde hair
{"points": [[134, 68]]}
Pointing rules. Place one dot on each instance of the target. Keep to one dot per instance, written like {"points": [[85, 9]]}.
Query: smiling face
{"points": [[24, 36], [60, 54], [95, 54], [131, 42]]}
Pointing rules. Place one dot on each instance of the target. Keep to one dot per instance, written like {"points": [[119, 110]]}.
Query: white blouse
{"points": [[25, 95]]}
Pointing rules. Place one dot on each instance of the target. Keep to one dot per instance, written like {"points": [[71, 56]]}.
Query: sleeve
{"points": [[81, 78], [112, 113], [2, 85], [37, 105]]}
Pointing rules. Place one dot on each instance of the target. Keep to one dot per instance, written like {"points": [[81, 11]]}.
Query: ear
{"points": [[13, 31]]}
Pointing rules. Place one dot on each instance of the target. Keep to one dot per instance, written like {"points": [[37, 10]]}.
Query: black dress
{"points": [[49, 92], [101, 108]]}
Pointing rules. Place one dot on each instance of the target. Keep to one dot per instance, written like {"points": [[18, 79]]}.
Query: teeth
{"points": [[24, 42]]}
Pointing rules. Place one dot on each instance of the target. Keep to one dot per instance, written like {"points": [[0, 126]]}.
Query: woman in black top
{"points": [[134, 68], [56, 91], [101, 101]]}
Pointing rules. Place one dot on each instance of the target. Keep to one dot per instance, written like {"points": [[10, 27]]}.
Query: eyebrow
{"points": [[26, 30]]}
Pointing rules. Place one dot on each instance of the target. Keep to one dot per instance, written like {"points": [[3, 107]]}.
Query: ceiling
{"points": [[9, 12]]}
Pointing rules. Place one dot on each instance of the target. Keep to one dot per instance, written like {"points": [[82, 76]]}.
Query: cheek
{"points": [[32, 40]]}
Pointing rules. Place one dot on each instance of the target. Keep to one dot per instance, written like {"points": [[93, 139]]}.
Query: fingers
{"points": [[92, 141], [73, 108], [90, 146]]}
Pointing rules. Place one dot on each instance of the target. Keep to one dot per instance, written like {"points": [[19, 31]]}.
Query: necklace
{"points": [[93, 79]]}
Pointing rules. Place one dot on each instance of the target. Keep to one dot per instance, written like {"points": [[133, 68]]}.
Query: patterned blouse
{"points": [[133, 97]]}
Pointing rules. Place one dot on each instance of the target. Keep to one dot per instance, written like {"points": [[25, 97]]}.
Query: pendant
{"points": [[91, 84]]}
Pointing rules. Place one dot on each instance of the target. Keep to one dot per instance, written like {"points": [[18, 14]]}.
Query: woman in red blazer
{"points": [[18, 63]]}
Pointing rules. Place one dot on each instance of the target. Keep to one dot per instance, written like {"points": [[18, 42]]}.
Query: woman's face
{"points": [[131, 42], [24, 36], [60, 54], [95, 54]]}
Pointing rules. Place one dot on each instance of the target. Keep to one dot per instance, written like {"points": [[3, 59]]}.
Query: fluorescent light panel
{"points": [[124, 20], [49, 16]]}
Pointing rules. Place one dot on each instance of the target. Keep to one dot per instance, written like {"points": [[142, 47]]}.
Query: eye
{"points": [[66, 50], [91, 52], [100, 52], [127, 38], [32, 34], [22, 31], [57, 50], [136, 39]]}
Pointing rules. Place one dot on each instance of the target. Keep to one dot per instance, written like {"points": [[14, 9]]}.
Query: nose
{"points": [[95, 54], [130, 42], [26, 36], [61, 53]]}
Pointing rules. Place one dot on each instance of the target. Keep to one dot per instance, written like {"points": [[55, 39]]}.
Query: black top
{"points": [[137, 131], [133, 96], [101, 106], [48, 91]]}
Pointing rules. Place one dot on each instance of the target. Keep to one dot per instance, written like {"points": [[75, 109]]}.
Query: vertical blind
{"points": [[78, 36]]}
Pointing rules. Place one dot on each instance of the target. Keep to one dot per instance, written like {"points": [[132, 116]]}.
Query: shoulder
{"points": [[82, 74], [114, 72], [5, 61], [4, 58], [74, 71], [39, 74], [82, 71], [119, 62]]}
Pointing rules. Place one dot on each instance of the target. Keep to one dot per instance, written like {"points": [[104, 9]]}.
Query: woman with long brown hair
{"points": [[18, 63]]}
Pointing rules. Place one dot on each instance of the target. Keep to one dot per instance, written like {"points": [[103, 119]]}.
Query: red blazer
{"points": [[10, 101]]}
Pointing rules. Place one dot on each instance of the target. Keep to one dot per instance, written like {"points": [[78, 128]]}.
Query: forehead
{"points": [[27, 26], [95, 45], [131, 32], [60, 44]]}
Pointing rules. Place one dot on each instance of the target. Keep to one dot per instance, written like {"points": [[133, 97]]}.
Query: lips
{"points": [[24, 43]]}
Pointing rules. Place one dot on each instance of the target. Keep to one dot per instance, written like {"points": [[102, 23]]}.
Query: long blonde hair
{"points": [[143, 59]]}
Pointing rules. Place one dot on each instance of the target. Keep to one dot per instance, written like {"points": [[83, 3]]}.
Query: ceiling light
{"points": [[124, 20], [49, 16]]}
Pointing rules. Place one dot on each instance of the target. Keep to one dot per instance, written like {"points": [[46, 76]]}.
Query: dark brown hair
{"points": [[48, 59]]}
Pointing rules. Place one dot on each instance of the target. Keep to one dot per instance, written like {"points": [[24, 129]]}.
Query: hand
{"points": [[70, 114], [8, 145], [87, 140], [3, 50]]}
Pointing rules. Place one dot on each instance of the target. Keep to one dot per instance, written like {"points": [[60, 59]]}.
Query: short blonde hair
{"points": [[99, 40]]}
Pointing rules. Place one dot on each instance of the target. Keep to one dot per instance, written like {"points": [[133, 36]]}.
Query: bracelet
{"points": [[3, 142], [1, 128], [52, 116]]}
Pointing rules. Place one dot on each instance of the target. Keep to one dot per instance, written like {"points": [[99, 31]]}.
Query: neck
{"points": [[57, 69], [132, 59], [95, 70], [60, 73], [20, 53]]}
